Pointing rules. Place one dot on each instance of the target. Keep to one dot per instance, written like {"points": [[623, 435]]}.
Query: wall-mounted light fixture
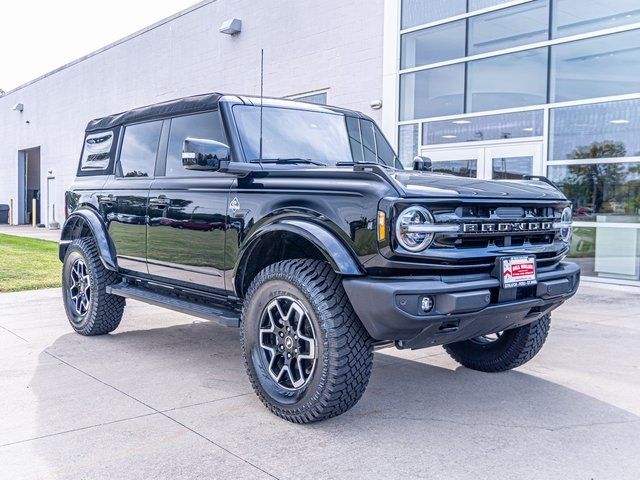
{"points": [[232, 26], [376, 104], [18, 107]]}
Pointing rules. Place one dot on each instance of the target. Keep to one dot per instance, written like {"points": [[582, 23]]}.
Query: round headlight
{"points": [[409, 233], [565, 225]]}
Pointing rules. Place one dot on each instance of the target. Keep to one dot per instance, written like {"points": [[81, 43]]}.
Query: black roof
{"points": [[193, 104], [196, 103]]}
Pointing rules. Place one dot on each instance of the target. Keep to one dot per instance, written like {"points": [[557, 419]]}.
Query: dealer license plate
{"points": [[518, 271]]}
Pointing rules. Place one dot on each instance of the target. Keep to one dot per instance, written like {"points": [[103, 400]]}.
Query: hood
{"points": [[427, 184]]}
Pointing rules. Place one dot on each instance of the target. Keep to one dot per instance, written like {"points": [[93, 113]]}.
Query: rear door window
{"points": [[139, 150]]}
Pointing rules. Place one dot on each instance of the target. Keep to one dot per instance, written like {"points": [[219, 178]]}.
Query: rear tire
{"points": [[90, 309], [307, 354], [511, 349]]}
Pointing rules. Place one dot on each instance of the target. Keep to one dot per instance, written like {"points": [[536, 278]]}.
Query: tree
{"points": [[596, 186]]}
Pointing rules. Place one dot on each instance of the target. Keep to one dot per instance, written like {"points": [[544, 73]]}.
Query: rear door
{"points": [[124, 199], [187, 210]]}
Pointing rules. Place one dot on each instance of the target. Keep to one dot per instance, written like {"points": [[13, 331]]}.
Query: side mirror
{"points": [[205, 155], [422, 164]]}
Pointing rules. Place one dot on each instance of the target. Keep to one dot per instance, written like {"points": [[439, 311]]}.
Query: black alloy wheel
{"points": [[288, 342], [306, 353], [90, 309], [80, 288]]}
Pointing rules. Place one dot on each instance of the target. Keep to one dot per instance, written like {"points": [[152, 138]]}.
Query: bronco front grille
{"points": [[489, 226]]}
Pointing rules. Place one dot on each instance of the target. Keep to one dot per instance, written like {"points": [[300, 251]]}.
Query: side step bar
{"points": [[221, 315]]}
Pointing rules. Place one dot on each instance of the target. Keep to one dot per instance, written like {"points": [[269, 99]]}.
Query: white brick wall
{"points": [[308, 46]]}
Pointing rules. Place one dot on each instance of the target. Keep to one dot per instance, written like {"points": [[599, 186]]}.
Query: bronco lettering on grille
{"points": [[504, 227]]}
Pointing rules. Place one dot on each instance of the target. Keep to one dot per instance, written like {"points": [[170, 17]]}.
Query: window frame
{"points": [[472, 65], [161, 162], [404, 39], [473, 28], [402, 88], [114, 154], [375, 132], [117, 170]]}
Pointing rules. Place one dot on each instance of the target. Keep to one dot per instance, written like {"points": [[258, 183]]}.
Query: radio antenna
{"points": [[261, 95]]}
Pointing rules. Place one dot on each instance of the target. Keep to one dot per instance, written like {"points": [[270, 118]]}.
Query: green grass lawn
{"points": [[28, 264]]}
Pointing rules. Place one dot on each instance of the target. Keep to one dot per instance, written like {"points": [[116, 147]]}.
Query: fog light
{"points": [[426, 304]]}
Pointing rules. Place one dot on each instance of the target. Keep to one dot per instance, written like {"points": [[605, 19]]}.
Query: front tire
{"points": [[307, 354], [504, 351], [90, 309]]}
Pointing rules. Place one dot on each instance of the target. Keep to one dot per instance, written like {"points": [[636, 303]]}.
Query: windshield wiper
{"points": [[350, 164], [288, 161]]}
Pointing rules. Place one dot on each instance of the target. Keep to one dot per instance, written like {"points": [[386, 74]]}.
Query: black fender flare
{"points": [[335, 252], [90, 218]]}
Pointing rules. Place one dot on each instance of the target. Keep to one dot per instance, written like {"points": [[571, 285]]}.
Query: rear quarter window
{"points": [[98, 153]]}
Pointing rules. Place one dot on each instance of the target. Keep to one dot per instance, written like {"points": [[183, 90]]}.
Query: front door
{"points": [[489, 162], [187, 210]]}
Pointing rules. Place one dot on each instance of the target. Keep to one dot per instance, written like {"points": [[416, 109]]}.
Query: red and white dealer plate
{"points": [[518, 271]]}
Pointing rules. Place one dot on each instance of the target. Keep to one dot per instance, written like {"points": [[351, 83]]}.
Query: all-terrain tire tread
{"points": [[524, 343], [107, 313], [349, 349]]}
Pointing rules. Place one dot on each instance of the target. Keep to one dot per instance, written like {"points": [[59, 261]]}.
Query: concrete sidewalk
{"points": [[166, 397], [29, 231]]}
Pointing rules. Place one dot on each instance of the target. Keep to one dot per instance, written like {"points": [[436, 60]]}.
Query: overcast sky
{"points": [[37, 36]]}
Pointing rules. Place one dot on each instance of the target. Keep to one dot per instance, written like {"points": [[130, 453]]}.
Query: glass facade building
{"points": [[499, 89]]}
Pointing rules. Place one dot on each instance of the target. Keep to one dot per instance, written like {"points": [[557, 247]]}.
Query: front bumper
{"points": [[463, 308]]}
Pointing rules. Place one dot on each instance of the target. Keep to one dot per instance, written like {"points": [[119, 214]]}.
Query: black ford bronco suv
{"points": [[297, 223]]}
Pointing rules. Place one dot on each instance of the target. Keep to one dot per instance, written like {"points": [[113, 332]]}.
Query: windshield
{"points": [[320, 137]]}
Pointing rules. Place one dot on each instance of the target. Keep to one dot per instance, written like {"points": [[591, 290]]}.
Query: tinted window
{"points": [[139, 148], [96, 153], [600, 130], [355, 139], [508, 81], [368, 141], [571, 17], [596, 67], [292, 133], [417, 12], [508, 28], [432, 93], [434, 44], [487, 127], [384, 151], [205, 126]]}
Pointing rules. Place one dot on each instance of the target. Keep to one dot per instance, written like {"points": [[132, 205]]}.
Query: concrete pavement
{"points": [[29, 231], [166, 397]]}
